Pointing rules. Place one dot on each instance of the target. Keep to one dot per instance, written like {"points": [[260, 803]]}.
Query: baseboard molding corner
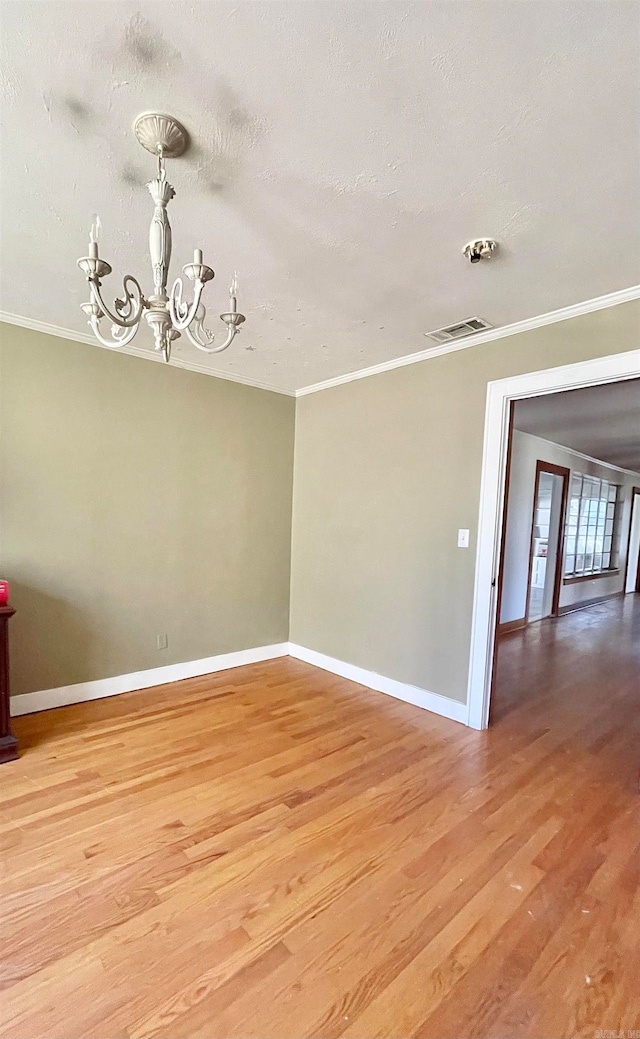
{"points": [[514, 625], [434, 702], [63, 696]]}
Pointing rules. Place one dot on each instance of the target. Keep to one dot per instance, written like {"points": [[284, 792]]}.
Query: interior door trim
{"points": [[554, 470], [634, 491]]}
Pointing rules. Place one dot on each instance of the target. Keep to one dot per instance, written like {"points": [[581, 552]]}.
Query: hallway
{"points": [[578, 675]]}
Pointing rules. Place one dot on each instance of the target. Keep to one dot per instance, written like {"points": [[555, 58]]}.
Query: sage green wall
{"points": [[387, 469], [135, 499]]}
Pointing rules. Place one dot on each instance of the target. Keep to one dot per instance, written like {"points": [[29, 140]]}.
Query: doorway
{"points": [[501, 395], [545, 558], [632, 581]]}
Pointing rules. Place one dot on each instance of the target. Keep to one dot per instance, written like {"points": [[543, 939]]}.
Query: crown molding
{"points": [[580, 454], [136, 351], [612, 299]]}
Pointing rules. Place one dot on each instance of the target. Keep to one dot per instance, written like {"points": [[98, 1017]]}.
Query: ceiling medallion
{"points": [[167, 315]]}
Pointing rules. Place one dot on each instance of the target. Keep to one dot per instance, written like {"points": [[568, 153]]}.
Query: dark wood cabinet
{"points": [[8, 742]]}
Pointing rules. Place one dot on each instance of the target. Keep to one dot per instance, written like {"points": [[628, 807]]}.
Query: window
{"points": [[591, 527]]}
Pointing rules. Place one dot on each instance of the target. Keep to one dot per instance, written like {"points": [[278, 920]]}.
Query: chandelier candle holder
{"points": [[167, 315]]}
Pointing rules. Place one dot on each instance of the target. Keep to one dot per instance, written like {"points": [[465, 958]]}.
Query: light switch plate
{"points": [[463, 539]]}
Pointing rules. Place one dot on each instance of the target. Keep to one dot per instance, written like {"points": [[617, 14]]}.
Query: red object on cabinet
{"points": [[4, 593]]}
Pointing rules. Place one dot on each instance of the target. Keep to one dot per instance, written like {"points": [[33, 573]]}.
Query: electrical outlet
{"points": [[162, 641]]}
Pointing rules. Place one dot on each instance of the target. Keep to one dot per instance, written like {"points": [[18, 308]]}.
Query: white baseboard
{"points": [[412, 694], [62, 696]]}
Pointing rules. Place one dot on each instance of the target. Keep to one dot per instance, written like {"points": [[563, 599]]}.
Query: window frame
{"points": [[599, 525]]}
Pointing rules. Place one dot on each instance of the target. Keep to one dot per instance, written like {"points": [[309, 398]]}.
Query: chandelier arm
{"points": [[211, 349], [182, 314], [166, 315], [130, 309], [120, 338]]}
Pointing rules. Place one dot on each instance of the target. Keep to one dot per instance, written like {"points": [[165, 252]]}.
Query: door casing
{"points": [[555, 470], [500, 395]]}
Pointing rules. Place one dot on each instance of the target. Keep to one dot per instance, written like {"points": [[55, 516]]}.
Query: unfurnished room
{"points": [[320, 519]]}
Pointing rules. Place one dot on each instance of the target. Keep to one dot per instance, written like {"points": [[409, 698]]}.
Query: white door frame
{"points": [[492, 493], [633, 548]]}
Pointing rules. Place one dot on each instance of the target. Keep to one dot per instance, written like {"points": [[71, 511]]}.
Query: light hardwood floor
{"points": [[277, 852]]}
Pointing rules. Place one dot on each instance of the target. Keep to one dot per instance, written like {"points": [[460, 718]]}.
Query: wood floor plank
{"points": [[275, 852]]}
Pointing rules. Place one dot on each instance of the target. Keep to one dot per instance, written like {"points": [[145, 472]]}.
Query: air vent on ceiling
{"points": [[463, 328]]}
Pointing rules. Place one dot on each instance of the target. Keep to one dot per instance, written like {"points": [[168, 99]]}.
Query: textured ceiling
{"points": [[600, 421], [343, 154]]}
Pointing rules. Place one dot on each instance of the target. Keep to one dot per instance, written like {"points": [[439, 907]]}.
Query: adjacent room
{"points": [[571, 534], [570, 573], [320, 519]]}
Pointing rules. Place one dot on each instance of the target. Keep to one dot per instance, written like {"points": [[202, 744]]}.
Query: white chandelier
{"points": [[166, 315]]}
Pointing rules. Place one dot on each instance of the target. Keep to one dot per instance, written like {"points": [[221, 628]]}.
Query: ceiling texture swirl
{"points": [[342, 154]]}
